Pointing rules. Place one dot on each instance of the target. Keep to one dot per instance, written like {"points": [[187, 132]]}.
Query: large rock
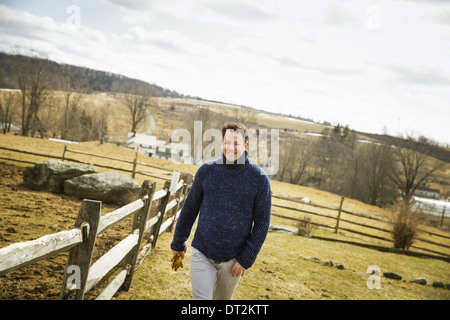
{"points": [[50, 175], [287, 229], [284, 229], [392, 275], [421, 281], [109, 187]]}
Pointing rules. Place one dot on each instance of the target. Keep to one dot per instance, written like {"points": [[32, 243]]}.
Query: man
{"points": [[232, 198]]}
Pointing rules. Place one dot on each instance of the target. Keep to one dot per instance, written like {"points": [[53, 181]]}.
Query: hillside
{"points": [[288, 267], [437, 151], [169, 114], [101, 111], [102, 82], [95, 80]]}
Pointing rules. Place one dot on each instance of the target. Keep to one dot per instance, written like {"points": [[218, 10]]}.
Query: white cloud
{"points": [[130, 4], [318, 59], [136, 18]]}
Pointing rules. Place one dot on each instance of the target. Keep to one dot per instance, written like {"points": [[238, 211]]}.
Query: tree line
{"points": [[374, 173], [41, 111], [95, 80]]}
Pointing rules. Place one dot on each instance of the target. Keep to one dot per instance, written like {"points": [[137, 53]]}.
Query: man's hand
{"points": [[182, 253], [237, 270], [177, 259]]}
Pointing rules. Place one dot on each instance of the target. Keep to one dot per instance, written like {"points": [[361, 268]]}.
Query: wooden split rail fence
{"points": [[127, 255], [165, 175], [81, 276], [336, 227]]}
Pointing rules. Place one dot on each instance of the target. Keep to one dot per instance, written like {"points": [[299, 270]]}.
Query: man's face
{"points": [[233, 145]]}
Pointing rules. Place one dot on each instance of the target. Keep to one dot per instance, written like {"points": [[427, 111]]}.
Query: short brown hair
{"points": [[235, 126]]}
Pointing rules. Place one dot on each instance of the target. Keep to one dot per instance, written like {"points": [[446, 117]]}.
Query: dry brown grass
{"points": [[284, 269], [316, 196]]}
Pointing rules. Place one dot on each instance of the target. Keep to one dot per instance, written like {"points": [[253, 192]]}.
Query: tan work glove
{"points": [[177, 261]]}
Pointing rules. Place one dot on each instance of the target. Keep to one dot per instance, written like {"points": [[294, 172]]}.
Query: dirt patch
{"points": [[27, 215]]}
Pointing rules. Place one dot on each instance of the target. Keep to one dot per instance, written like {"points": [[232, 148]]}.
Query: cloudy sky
{"points": [[373, 65]]}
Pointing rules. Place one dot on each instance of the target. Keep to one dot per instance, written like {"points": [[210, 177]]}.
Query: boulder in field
{"points": [[50, 175], [392, 275], [438, 284], [421, 281], [109, 187], [286, 229]]}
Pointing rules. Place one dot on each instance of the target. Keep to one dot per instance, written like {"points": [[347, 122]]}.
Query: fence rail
{"points": [[336, 227], [81, 275], [63, 157]]}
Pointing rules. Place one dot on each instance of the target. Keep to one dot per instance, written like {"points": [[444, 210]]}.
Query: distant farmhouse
{"points": [[152, 147], [428, 193]]}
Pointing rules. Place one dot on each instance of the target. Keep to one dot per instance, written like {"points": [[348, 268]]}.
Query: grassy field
{"points": [[288, 267], [285, 270]]}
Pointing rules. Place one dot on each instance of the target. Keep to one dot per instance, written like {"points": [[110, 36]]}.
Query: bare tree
{"points": [[334, 157], [8, 102], [87, 123], [414, 168], [136, 98], [32, 79], [75, 90], [377, 166], [352, 178], [47, 117], [295, 161], [205, 119], [285, 161], [101, 119]]}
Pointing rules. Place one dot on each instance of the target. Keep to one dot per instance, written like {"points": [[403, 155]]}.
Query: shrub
{"points": [[405, 221], [306, 224]]}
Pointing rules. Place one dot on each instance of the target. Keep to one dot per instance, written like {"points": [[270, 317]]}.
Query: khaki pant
{"points": [[211, 280]]}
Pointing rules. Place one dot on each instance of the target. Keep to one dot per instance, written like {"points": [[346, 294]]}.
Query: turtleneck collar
{"points": [[235, 167]]}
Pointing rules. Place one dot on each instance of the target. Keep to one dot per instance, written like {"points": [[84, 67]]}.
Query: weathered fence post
{"points": [[178, 195], [140, 219], [162, 210], [133, 171], [339, 216], [187, 180], [64, 153], [442, 219], [80, 256]]}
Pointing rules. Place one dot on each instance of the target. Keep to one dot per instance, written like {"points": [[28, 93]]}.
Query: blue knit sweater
{"points": [[233, 202]]}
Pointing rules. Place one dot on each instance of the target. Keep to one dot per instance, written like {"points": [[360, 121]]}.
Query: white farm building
{"points": [[152, 147]]}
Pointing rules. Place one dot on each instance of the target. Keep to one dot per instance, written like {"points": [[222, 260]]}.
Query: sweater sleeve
{"points": [[188, 214], [261, 222]]}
